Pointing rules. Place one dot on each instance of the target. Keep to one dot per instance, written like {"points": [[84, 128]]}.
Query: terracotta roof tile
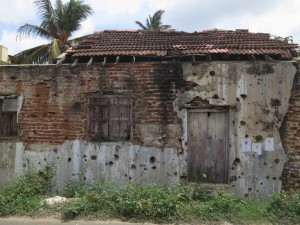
{"points": [[175, 43]]}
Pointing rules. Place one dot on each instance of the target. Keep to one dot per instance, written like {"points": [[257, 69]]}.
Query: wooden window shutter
{"points": [[8, 120], [98, 118], [119, 118]]}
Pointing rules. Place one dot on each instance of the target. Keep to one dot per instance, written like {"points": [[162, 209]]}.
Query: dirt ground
{"points": [[54, 221]]}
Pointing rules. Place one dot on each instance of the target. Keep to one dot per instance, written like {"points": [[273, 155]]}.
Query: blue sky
{"points": [[277, 17]]}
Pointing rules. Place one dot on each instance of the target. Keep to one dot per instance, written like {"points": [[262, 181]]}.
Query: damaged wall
{"points": [[53, 120], [257, 95]]}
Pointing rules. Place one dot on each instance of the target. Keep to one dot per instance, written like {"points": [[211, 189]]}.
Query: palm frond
{"points": [[28, 30], [74, 12], [154, 22], [46, 12], [34, 55], [141, 25]]}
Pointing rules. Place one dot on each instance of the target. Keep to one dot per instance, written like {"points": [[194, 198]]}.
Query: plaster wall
{"points": [[257, 96]]}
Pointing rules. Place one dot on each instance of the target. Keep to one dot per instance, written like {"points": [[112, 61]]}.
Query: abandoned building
{"points": [[215, 106]]}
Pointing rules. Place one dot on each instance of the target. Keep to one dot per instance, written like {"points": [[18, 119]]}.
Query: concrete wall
{"points": [[51, 130]]}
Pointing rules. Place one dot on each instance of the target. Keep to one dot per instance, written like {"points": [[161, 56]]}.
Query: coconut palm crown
{"points": [[58, 24], [154, 22]]}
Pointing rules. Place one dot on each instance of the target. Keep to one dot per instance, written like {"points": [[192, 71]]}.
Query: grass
{"points": [[187, 203]]}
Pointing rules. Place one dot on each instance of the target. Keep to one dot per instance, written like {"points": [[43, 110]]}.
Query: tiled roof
{"points": [[174, 43]]}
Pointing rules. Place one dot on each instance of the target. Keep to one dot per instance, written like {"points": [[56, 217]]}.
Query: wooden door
{"points": [[207, 146]]}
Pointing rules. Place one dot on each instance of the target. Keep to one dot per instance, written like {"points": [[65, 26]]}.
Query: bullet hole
{"points": [[265, 163], [69, 159], [208, 114], [73, 174], [274, 178], [194, 74], [233, 178], [175, 173], [133, 166], [57, 157], [243, 96], [261, 183], [84, 178], [45, 160], [246, 136], [154, 167], [242, 174], [168, 174], [275, 102], [24, 165], [212, 73], [39, 162], [233, 122], [84, 156], [152, 159], [125, 175], [93, 157], [116, 156], [267, 177], [237, 99], [145, 168], [236, 161], [249, 189], [276, 161], [279, 178], [163, 162], [256, 122], [110, 163], [215, 97], [246, 195], [232, 168], [258, 138], [129, 178], [242, 123], [185, 143], [239, 177], [183, 177]]}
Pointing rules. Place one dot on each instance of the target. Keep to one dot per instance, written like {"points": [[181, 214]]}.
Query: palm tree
{"points": [[58, 24], [154, 22]]}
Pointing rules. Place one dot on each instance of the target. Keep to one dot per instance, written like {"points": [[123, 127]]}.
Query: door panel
{"points": [[207, 146]]}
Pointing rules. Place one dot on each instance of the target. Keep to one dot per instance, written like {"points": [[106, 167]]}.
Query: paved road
{"points": [[51, 221]]}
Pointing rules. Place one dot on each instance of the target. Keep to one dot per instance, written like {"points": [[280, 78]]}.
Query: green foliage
{"points": [[189, 203], [58, 24], [285, 206], [23, 194], [154, 22]]}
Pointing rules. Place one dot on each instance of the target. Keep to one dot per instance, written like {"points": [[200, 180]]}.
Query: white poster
{"points": [[256, 147], [269, 144], [246, 145]]}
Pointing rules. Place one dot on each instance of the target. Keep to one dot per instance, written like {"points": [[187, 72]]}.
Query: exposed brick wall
{"points": [[290, 134], [55, 98]]}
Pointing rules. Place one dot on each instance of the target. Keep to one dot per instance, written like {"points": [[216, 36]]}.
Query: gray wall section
{"points": [[257, 96], [73, 160]]}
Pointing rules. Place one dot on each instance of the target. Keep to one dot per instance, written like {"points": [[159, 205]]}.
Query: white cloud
{"points": [[87, 27], [284, 20], [16, 11], [9, 40], [115, 7]]}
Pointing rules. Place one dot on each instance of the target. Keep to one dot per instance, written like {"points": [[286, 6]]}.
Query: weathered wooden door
{"points": [[207, 146]]}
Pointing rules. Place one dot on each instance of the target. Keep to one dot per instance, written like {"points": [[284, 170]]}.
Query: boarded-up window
{"points": [[109, 118], [8, 117]]}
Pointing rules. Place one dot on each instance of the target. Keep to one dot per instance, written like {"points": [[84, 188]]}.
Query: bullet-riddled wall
{"points": [[53, 122]]}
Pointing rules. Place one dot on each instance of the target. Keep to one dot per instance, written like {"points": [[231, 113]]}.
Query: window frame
{"points": [[12, 131], [109, 98]]}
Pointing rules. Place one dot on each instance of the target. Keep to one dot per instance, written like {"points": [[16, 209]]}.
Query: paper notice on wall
{"points": [[269, 144], [246, 145], [256, 147]]}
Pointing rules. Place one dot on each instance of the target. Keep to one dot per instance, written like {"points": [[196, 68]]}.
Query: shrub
{"points": [[22, 195]]}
